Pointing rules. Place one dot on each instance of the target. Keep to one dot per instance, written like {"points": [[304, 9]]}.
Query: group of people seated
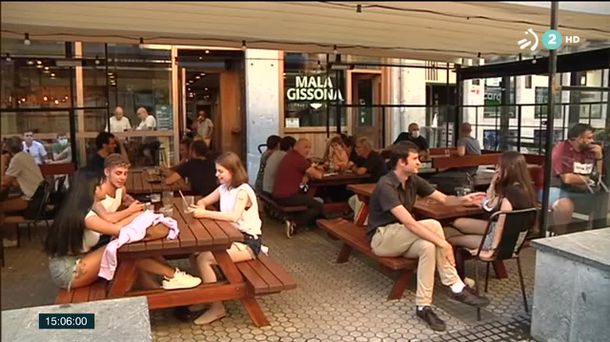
{"points": [[98, 207], [286, 169]]}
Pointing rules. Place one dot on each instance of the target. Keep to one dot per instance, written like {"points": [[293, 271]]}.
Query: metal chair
{"points": [[516, 227], [36, 210]]}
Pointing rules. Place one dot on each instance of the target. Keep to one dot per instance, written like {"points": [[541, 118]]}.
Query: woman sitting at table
{"points": [[78, 237], [511, 188], [337, 155], [238, 205]]}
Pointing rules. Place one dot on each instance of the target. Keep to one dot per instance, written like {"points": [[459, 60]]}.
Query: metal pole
{"points": [[554, 89]]}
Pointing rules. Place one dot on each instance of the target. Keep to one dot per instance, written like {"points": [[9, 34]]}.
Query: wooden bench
{"points": [[354, 237], [466, 161], [265, 276], [280, 212], [95, 291]]}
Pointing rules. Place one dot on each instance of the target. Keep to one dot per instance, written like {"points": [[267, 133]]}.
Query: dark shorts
{"points": [[254, 242]]}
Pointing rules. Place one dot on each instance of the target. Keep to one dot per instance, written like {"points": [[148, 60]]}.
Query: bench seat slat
{"points": [[265, 275], [355, 236]]}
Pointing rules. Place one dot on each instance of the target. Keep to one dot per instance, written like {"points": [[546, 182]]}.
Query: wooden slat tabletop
{"points": [[140, 182], [196, 235]]}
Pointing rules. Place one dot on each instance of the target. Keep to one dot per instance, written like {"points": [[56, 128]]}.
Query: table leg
{"points": [[233, 276], [124, 278], [362, 214], [500, 269]]}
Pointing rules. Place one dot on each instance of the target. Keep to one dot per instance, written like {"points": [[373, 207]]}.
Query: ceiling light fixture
{"points": [[243, 45], [358, 8], [97, 60], [207, 51], [26, 39], [8, 57], [335, 49]]}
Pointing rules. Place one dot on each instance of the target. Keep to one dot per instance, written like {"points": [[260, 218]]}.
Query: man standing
{"points": [[394, 232], [576, 182], [293, 170], [34, 148], [413, 135], [23, 170], [205, 127]]}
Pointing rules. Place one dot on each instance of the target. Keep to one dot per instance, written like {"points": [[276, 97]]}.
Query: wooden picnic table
{"points": [[139, 181], [196, 235], [423, 208], [317, 185]]}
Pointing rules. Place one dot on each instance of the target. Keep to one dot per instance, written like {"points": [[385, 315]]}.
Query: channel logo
{"points": [[551, 40], [525, 42]]}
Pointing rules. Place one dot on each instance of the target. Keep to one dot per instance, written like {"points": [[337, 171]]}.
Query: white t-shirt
{"points": [[111, 204], [249, 222], [23, 167], [204, 127], [118, 125], [37, 151], [150, 123]]}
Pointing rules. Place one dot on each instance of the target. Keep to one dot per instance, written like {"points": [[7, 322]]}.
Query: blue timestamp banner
{"points": [[66, 321]]}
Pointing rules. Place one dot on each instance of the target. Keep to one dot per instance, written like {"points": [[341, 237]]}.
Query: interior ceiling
{"points": [[442, 31]]}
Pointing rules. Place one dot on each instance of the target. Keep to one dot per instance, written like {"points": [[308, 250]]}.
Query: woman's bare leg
{"points": [[470, 226], [88, 268], [205, 261]]}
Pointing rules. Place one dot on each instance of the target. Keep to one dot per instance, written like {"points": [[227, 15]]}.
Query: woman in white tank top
{"points": [[239, 206]]}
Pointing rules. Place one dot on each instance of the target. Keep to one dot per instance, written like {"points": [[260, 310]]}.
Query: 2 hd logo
{"points": [[551, 40]]}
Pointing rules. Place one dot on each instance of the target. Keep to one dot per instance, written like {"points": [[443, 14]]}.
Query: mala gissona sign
{"points": [[313, 88]]}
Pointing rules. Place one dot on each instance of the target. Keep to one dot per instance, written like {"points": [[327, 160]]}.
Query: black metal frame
{"points": [[515, 255]]}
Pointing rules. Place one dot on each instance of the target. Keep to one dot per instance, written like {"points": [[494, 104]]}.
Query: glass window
{"points": [[542, 98], [310, 91], [493, 98]]}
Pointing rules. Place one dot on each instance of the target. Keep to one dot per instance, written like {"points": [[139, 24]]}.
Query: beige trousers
{"points": [[396, 240]]}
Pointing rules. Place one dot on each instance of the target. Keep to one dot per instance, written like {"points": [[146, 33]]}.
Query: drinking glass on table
{"points": [[167, 199], [189, 202]]}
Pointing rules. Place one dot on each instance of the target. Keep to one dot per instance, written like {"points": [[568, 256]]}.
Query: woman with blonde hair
{"points": [[238, 205], [511, 189]]}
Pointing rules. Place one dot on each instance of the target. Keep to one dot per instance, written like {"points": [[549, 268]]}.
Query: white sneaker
{"points": [[181, 280]]}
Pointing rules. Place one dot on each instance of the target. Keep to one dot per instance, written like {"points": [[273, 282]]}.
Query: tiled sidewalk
{"points": [[333, 302]]}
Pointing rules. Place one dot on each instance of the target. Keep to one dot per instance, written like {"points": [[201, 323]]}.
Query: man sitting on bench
{"points": [[394, 232], [288, 188]]}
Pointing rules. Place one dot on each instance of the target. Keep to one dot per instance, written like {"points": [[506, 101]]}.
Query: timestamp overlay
{"points": [[66, 321]]}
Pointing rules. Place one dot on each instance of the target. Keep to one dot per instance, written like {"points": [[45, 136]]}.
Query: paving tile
{"points": [[333, 302]]}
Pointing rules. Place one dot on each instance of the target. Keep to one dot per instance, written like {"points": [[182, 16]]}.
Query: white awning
{"points": [[444, 31]]}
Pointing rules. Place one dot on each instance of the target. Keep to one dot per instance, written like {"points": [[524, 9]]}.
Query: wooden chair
{"points": [[516, 228]]}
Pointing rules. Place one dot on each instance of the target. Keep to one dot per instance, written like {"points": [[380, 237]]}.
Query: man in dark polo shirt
{"points": [[575, 185], [394, 232], [292, 172], [200, 171], [413, 135]]}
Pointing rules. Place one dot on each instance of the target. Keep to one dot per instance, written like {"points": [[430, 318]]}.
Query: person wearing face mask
{"points": [[575, 182], [62, 151], [414, 136]]}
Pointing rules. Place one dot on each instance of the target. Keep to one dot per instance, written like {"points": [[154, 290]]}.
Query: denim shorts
{"points": [[63, 269]]}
